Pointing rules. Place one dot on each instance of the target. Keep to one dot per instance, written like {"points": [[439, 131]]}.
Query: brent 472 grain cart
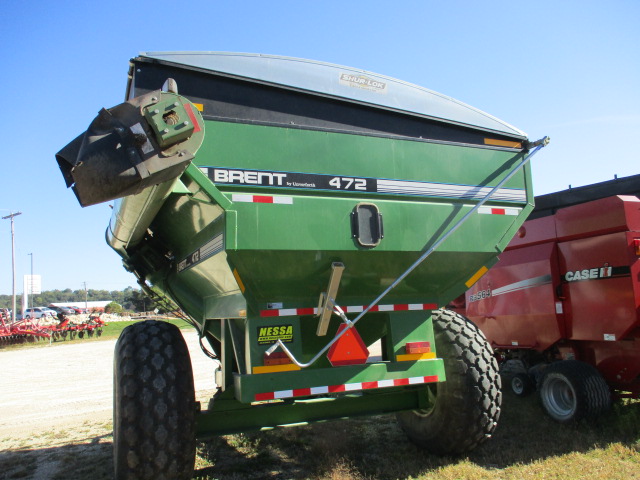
{"points": [[299, 212]]}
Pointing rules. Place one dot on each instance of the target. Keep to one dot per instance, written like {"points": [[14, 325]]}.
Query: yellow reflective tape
{"points": [[237, 277], [502, 143], [476, 277], [407, 357], [287, 367], [199, 106]]}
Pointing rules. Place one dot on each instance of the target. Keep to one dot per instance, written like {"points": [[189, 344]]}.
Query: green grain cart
{"points": [[301, 214]]}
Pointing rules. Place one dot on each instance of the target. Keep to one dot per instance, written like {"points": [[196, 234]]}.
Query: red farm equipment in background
{"points": [[30, 330], [561, 306]]}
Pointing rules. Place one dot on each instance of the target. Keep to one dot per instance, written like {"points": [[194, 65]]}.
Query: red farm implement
{"points": [[22, 331], [562, 306], [32, 330]]}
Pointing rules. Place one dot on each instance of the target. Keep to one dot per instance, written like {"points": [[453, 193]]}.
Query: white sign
{"points": [[33, 284]]}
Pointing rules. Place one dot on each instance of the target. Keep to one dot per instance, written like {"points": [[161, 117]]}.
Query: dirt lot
{"points": [[56, 407]]}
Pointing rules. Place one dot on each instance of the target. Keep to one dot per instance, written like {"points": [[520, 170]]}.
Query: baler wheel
{"points": [[571, 390], [467, 405], [154, 404], [522, 385]]}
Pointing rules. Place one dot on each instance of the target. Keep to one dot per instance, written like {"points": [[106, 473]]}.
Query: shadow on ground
{"points": [[376, 448], [86, 459]]}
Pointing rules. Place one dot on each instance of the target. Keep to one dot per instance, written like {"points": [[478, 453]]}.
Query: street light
{"points": [[13, 262]]}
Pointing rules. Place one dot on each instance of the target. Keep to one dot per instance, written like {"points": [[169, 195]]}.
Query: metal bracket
{"points": [[327, 299]]}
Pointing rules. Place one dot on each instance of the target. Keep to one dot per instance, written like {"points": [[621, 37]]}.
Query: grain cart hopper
{"points": [[561, 307], [279, 202]]}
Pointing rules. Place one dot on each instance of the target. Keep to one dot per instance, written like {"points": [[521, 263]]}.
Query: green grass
{"points": [[113, 329]]}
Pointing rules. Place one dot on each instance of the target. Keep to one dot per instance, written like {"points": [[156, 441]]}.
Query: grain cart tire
{"points": [[467, 404], [153, 404], [522, 385], [571, 390]]}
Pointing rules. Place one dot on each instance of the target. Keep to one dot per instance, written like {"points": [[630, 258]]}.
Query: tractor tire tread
{"points": [[154, 404], [468, 403]]}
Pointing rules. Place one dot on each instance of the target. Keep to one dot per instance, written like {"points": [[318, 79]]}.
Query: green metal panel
{"points": [[405, 327], [230, 416], [296, 150], [247, 386], [283, 252]]}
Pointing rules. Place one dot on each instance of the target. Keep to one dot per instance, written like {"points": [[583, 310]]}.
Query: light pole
{"points": [[13, 262]]}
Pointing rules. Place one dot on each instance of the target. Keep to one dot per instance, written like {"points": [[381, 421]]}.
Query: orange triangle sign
{"points": [[349, 349]]}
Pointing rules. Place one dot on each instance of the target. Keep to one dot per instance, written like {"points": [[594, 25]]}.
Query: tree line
{"points": [[131, 299]]}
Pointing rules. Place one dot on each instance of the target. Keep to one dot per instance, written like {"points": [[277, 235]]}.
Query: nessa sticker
{"points": [[273, 333]]}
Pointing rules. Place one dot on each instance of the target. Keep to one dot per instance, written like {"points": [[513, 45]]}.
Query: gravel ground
{"points": [[56, 408]]}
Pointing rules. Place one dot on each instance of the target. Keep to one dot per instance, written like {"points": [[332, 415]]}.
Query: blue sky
{"points": [[567, 69]]}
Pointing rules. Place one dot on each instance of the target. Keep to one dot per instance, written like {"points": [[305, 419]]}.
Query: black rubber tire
{"points": [[153, 404], [571, 390], [522, 385], [467, 405]]}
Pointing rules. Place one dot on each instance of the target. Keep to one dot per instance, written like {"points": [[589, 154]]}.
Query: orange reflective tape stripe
{"points": [[408, 357], [276, 368], [476, 277], [502, 143]]}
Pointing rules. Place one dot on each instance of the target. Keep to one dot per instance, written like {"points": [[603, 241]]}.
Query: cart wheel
{"points": [[466, 407], [522, 385], [154, 404], [571, 390]]}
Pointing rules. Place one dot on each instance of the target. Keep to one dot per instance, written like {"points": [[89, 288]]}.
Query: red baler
{"points": [[561, 307]]}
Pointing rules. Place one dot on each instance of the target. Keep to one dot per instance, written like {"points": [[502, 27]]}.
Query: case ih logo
{"points": [[589, 274], [361, 81]]}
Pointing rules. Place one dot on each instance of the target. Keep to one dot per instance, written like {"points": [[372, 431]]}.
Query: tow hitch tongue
{"points": [[145, 141]]}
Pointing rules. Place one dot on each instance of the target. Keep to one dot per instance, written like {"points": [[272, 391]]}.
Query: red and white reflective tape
{"points": [[347, 387], [499, 211], [246, 198], [291, 312]]}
